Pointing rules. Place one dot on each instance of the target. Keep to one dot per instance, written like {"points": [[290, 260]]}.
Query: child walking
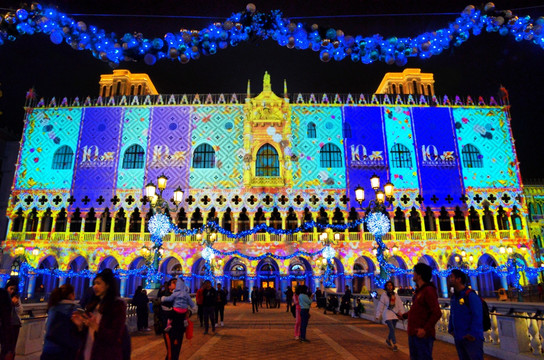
{"points": [[182, 302]]}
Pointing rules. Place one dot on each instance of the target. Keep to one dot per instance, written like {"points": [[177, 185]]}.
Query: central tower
{"points": [[267, 139]]}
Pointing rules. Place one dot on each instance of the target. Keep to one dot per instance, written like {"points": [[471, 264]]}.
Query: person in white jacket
{"points": [[390, 308]]}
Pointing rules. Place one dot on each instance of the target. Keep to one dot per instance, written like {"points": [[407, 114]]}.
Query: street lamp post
{"points": [[208, 253], [159, 224], [326, 263], [513, 259], [377, 222]]}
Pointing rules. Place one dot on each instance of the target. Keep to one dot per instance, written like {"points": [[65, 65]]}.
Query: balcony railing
{"points": [[87, 237]]}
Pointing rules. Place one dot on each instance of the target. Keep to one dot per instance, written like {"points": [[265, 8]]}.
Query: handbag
{"points": [[189, 330]]}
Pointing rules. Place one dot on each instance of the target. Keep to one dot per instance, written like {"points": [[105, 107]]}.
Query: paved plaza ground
{"points": [[269, 335]]}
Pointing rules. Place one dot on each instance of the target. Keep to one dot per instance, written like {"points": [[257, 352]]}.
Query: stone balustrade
{"points": [[517, 329]]}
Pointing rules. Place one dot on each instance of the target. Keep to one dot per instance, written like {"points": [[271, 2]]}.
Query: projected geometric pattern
{"points": [[398, 126], [135, 131], [222, 128], [47, 131], [487, 130], [97, 157], [169, 146], [307, 172]]}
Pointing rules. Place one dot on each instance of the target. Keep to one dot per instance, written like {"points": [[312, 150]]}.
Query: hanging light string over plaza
{"points": [[332, 44]]}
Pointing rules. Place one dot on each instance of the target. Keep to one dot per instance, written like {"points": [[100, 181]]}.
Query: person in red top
{"points": [[199, 303], [423, 315]]}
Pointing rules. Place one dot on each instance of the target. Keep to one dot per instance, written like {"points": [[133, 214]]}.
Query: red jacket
{"points": [[200, 296], [425, 311]]}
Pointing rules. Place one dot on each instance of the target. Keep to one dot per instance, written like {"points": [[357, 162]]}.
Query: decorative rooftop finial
{"points": [[248, 90], [285, 88], [266, 82]]}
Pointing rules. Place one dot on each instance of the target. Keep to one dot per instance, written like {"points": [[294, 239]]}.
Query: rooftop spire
{"points": [[266, 82]]}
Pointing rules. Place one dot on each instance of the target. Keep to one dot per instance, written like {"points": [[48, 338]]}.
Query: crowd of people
{"points": [[95, 327]]}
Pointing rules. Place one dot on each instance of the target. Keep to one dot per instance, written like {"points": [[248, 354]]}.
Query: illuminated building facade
{"points": [[243, 160]]}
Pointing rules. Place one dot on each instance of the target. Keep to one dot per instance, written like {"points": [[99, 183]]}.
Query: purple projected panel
{"points": [[169, 147], [438, 161], [365, 150], [97, 158]]}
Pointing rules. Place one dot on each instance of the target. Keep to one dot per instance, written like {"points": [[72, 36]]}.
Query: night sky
{"points": [[476, 68]]}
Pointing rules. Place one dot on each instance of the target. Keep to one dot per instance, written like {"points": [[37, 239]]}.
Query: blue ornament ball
{"points": [[150, 59], [56, 37]]}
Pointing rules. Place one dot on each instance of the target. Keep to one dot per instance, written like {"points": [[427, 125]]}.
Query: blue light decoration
{"points": [[329, 43], [159, 225], [378, 223]]}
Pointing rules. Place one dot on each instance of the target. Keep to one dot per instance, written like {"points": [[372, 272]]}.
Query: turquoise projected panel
{"points": [[134, 132], [221, 127], [488, 131], [307, 171], [399, 135], [47, 131]]}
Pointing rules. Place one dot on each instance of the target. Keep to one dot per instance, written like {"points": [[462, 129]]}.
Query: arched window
{"points": [[312, 133], [267, 163], [346, 130], [204, 157], [401, 156], [471, 157], [134, 157], [62, 160], [330, 156]]}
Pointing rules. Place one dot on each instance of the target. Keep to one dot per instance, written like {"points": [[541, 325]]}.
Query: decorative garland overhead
{"points": [[240, 27]]}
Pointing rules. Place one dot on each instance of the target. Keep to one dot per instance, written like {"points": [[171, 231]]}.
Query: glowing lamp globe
{"points": [[457, 258], [463, 253], [162, 182], [471, 258], [380, 196], [509, 250], [150, 189], [359, 194], [388, 188], [375, 182], [35, 251], [178, 195], [502, 249]]}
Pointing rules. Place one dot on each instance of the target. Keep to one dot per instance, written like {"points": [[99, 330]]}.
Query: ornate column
{"points": [[123, 287], [444, 286], [31, 285], [474, 283]]}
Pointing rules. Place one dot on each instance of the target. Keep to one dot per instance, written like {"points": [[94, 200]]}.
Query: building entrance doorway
{"points": [[267, 284], [295, 283]]}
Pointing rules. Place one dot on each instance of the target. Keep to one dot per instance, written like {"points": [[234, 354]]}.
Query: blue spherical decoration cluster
{"points": [[159, 225], [331, 44], [378, 224]]}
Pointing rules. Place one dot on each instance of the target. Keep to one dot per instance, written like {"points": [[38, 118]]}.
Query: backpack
{"points": [[486, 318]]}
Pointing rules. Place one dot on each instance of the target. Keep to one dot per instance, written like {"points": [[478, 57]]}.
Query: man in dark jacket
{"points": [[423, 315], [209, 296], [289, 298], [220, 304], [5, 322], [466, 318], [346, 300]]}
